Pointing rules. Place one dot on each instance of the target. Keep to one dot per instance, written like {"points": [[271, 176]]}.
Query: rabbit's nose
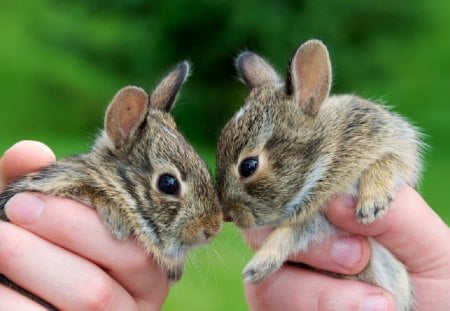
{"points": [[204, 235], [229, 216], [201, 229], [228, 213], [207, 233], [211, 226]]}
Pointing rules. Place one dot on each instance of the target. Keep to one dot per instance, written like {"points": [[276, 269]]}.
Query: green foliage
{"points": [[61, 62]]}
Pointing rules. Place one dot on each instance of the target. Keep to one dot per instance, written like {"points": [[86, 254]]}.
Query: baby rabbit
{"points": [[292, 147], [141, 176]]}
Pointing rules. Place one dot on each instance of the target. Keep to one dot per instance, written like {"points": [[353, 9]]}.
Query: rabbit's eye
{"points": [[168, 184], [248, 166]]}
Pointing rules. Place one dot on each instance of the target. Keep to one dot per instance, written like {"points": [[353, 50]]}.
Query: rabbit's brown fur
{"points": [[311, 147], [119, 177]]}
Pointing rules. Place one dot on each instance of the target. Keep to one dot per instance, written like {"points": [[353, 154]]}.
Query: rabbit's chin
{"points": [[176, 253]]}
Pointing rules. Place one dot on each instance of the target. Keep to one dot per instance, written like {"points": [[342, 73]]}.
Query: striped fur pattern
{"points": [[311, 147], [119, 177]]}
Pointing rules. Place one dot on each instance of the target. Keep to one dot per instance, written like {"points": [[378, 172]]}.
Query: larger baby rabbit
{"points": [[141, 176], [292, 147]]}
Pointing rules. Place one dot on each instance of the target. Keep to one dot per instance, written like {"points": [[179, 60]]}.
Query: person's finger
{"points": [[12, 300], [409, 228], [37, 265], [23, 157], [293, 288], [27, 156], [347, 254], [78, 229]]}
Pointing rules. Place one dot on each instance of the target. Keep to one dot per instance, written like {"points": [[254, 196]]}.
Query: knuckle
{"points": [[259, 293], [69, 231], [137, 260], [98, 294], [140, 261], [326, 299], [330, 299]]}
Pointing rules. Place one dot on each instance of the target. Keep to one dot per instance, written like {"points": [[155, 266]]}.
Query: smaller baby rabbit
{"points": [[292, 147], [141, 176]]}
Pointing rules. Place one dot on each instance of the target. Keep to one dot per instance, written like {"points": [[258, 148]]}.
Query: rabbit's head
{"points": [[265, 152], [172, 203]]}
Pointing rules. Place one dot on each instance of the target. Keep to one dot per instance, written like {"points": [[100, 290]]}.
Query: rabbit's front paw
{"points": [[257, 269], [371, 208]]}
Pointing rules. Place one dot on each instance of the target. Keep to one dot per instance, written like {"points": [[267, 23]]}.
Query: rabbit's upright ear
{"points": [[164, 95], [309, 78], [125, 114], [254, 70]]}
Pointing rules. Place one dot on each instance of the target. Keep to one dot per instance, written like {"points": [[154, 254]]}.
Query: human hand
{"points": [[411, 230], [59, 250]]}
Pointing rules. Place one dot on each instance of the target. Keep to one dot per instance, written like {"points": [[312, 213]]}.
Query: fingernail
{"points": [[346, 252], [374, 303], [44, 148], [24, 208]]}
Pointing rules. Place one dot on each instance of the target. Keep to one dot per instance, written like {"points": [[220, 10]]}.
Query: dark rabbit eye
{"points": [[168, 184], [248, 166]]}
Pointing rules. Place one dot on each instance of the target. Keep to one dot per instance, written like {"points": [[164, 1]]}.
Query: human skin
{"points": [[77, 264], [411, 230], [60, 250]]}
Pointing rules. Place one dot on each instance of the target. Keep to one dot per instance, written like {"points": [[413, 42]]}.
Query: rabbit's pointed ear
{"points": [[164, 95], [309, 78], [254, 70], [125, 114]]}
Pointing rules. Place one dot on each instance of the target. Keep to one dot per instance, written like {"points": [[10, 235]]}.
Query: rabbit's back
{"points": [[359, 132]]}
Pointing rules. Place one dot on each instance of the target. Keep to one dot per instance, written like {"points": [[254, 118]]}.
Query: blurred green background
{"points": [[61, 63]]}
